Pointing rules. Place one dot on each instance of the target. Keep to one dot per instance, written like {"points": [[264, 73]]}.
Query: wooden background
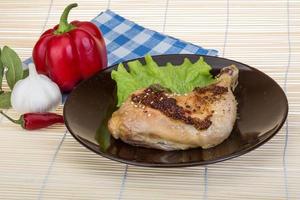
{"points": [[50, 164]]}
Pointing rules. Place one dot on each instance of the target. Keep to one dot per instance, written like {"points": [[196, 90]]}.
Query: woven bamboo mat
{"points": [[50, 164]]}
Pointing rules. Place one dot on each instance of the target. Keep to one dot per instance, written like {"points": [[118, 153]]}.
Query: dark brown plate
{"points": [[262, 110]]}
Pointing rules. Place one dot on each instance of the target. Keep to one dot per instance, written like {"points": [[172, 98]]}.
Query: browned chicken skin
{"points": [[155, 118]]}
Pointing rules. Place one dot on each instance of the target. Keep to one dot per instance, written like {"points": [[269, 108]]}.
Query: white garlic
{"points": [[35, 93]]}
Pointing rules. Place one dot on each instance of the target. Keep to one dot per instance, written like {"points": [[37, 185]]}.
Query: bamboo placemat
{"points": [[50, 164]]}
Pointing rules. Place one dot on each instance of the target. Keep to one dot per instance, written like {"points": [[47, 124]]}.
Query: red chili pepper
{"points": [[70, 52], [32, 121]]}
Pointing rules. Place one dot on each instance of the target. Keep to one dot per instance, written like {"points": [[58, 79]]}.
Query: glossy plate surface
{"points": [[262, 110]]}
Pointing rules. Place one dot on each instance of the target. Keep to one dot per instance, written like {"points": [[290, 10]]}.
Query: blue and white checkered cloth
{"points": [[126, 40]]}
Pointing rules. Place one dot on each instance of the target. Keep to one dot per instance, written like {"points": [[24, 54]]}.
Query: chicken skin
{"points": [[153, 117]]}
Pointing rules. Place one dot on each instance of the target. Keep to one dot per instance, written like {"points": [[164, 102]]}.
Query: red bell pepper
{"points": [[70, 52]]}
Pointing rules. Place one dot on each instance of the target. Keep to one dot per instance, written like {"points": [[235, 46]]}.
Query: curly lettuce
{"points": [[179, 79]]}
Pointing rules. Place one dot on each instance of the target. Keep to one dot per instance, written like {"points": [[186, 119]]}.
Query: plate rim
{"points": [[186, 164]]}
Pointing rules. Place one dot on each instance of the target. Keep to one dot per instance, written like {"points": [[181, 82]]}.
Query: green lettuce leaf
{"points": [[179, 79]]}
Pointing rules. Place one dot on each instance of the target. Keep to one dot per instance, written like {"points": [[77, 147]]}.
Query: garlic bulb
{"points": [[36, 93]]}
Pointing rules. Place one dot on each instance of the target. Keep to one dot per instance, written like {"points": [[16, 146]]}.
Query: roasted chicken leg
{"points": [[155, 118]]}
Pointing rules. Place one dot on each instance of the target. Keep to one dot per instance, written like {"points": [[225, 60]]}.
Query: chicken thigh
{"points": [[155, 118]]}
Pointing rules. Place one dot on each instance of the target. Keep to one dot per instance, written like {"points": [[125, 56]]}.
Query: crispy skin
{"points": [[154, 118]]}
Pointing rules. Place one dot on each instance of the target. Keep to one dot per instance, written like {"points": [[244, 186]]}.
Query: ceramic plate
{"points": [[262, 110]]}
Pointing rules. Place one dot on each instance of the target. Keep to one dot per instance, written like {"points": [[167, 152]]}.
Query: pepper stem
{"points": [[16, 121], [64, 26]]}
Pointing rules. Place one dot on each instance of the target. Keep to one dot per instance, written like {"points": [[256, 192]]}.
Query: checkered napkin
{"points": [[127, 40]]}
